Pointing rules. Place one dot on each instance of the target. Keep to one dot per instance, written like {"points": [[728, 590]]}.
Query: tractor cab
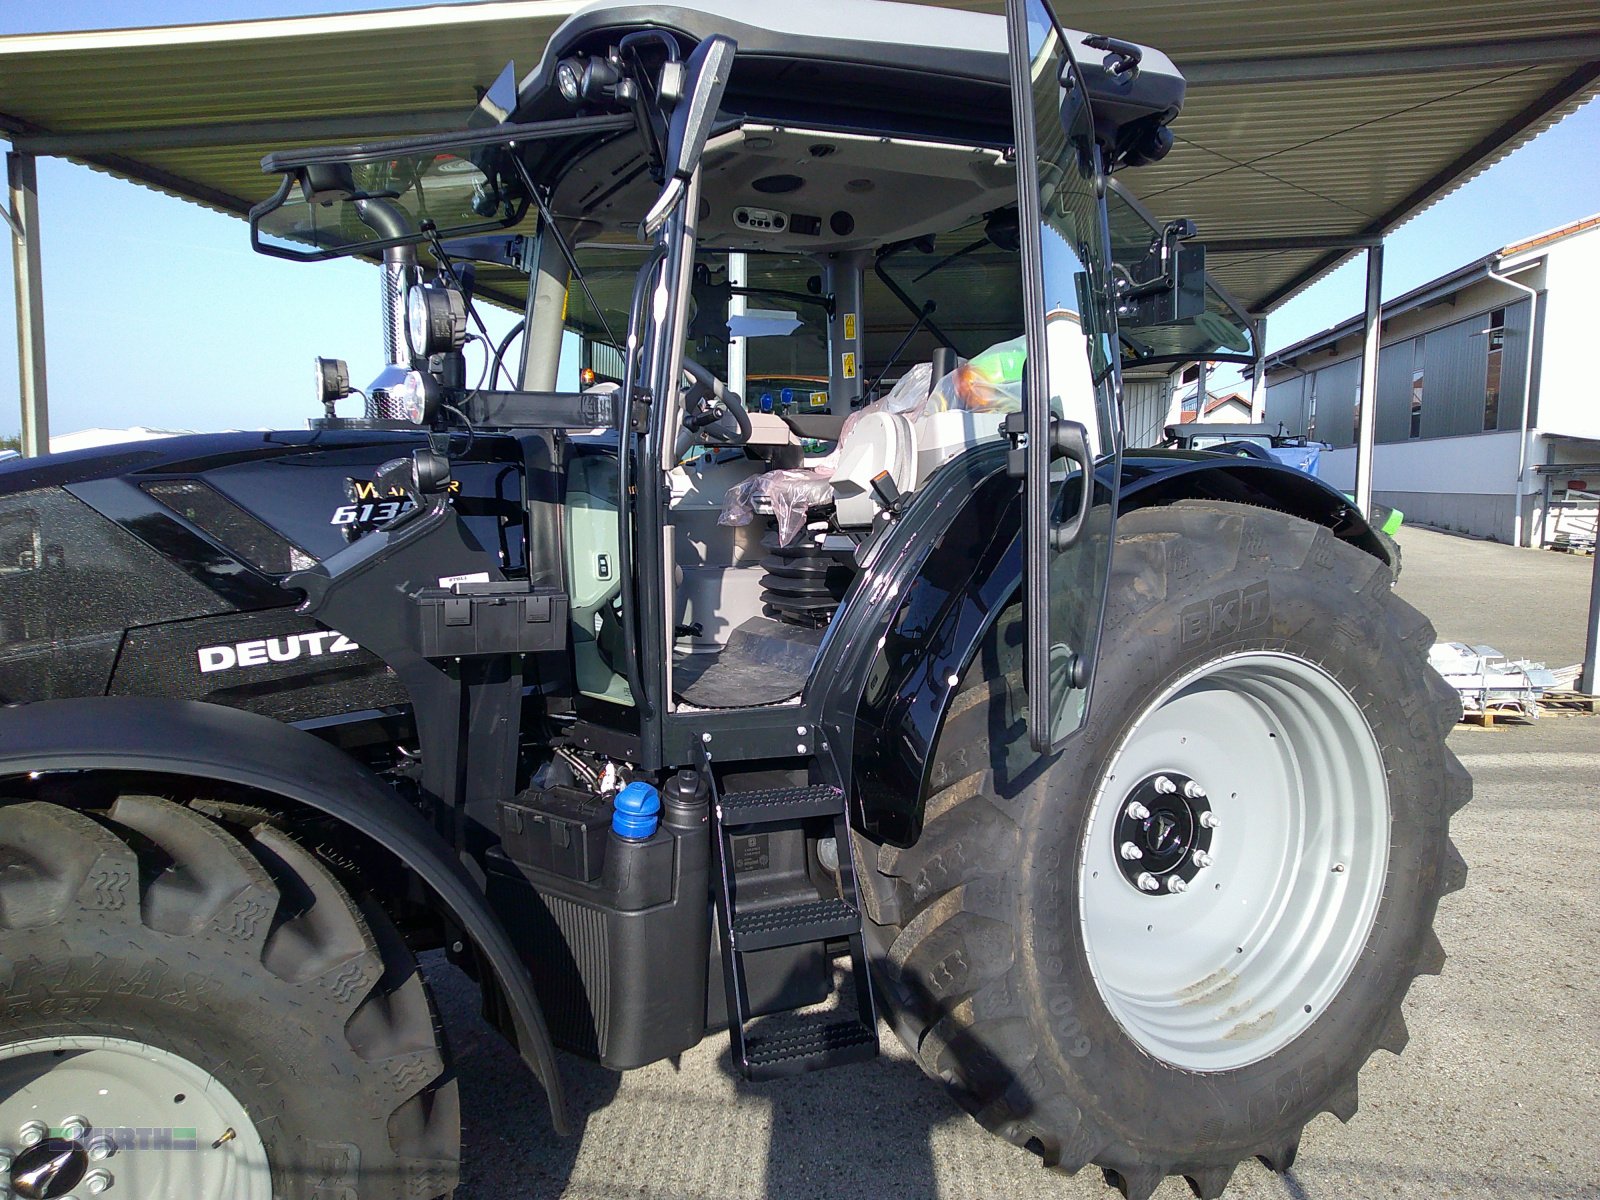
{"points": [[772, 287]]}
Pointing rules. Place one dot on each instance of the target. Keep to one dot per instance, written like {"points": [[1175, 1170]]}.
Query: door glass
{"points": [[1074, 379]]}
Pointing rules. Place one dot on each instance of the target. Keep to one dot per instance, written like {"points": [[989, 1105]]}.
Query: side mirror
{"points": [[1168, 285], [707, 73]]}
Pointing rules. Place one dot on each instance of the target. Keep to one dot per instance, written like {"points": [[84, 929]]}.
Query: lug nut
{"points": [[97, 1181], [1129, 851], [101, 1148], [5, 1167], [1194, 791], [32, 1133], [1164, 785], [1201, 859], [1147, 882], [1176, 885], [74, 1128], [1138, 812], [1209, 820]]}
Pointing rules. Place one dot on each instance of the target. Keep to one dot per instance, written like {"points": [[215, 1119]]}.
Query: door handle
{"points": [[1070, 440]]}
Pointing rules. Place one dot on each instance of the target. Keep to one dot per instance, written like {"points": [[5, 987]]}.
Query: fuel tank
{"points": [[154, 568]]}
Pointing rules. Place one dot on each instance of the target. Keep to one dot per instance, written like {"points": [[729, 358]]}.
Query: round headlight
{"points": [[436, 319], [417, 397], [333, 381], [569, 79]]}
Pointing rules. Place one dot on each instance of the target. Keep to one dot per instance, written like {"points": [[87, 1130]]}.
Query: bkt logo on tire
{"points": [[1230, 613], [262, 651]]}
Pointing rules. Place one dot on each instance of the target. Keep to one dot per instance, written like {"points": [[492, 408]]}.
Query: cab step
{"points": [[795, 925], [770, 806], [783, 1044]]}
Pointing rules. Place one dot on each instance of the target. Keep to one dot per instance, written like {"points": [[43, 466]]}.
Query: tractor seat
{"points": [[878, 442]]}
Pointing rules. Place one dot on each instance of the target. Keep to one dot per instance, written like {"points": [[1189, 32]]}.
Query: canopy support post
{"points": [[1258, 377], [23, 217], [1366, 427]]}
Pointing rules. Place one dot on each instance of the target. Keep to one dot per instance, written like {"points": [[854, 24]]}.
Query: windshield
{"points": [[970, 276], [360, 203]]}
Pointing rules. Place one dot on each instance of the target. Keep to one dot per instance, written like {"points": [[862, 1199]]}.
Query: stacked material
{"points": [[1489, 683]]}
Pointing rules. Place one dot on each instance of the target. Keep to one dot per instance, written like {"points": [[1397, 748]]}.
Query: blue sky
{"points": [[157, 312]]}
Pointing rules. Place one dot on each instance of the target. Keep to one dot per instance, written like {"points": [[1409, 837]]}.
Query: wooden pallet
{"points": [[1568, 702], [1494, 718]]}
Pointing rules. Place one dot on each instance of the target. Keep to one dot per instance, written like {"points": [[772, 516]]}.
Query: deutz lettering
{"points": [[274, 650]]}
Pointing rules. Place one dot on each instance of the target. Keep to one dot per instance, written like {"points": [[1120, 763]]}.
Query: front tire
{"points": [[1169, 947], [196, 1013]]}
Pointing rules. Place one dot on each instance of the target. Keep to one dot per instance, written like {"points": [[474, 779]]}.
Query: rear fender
{"points": [[933, 588], [208, 741]]}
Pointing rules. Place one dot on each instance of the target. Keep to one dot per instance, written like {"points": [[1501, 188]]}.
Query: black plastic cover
{"points": [[561, 830], [490, 618]]}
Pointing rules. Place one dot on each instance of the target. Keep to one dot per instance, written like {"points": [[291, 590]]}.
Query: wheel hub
{"points": [[1163, 833], [49, 1169], [94, 1117]]}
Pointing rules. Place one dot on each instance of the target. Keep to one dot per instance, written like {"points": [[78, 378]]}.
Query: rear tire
{"points": [[227, 1021], [1260, 657]]}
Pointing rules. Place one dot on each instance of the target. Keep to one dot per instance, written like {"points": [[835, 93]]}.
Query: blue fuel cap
{"points": [[637, 809]]}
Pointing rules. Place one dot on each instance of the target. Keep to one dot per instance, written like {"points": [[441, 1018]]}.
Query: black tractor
{"points": [[776, 636]]}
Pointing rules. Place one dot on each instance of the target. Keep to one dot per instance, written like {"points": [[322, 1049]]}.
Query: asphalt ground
{"points": [[1497, 1095]]}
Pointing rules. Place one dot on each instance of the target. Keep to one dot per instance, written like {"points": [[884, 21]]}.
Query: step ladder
{"points": [[781, 1044]]}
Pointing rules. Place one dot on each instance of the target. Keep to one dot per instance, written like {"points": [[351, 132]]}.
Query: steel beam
{"points": [[91, 142], [22, 177], [1310, 241], [1405, 60], [1367, 426]]}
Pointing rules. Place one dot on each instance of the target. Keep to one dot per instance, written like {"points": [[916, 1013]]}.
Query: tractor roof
{"points": [[945, 71]]}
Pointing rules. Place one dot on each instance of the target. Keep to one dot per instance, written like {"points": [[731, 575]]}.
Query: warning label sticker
{"points": [[849, 366], [849, 327]]}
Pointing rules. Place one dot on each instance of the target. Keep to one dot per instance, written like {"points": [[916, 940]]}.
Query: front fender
{"points": [[208, 741], [934, 586]]}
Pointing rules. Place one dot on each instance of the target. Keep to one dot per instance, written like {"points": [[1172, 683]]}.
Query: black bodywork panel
{"points": [[156, 569], [956, 553]]}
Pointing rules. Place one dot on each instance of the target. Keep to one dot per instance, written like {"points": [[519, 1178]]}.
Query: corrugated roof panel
{"points": [[1346, 156], [1190, 32]]}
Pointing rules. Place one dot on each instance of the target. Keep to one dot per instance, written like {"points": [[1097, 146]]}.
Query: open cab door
{"points": [[1067, 436]]}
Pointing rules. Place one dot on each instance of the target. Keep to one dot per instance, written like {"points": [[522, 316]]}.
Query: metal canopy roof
{"points": [[1305, 119]]}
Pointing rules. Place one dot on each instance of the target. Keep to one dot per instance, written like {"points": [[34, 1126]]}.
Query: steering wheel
{"points": [[712, 411]]}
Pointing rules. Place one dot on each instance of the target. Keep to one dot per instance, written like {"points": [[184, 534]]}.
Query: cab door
{"points": [[1068, 439]]}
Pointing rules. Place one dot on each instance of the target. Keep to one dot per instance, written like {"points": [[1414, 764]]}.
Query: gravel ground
{"points": [[1498, 1094], [1524, 603]]}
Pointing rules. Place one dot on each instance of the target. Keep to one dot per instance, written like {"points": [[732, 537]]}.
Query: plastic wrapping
{"points": [[989, 383], [789, 494]]}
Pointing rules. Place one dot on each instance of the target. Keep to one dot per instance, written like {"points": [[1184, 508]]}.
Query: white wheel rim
{"points": [[156, 1124], [1242, 962]]}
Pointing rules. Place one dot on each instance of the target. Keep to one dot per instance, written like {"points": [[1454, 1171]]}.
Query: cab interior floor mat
{"points": [[764, 662]]}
